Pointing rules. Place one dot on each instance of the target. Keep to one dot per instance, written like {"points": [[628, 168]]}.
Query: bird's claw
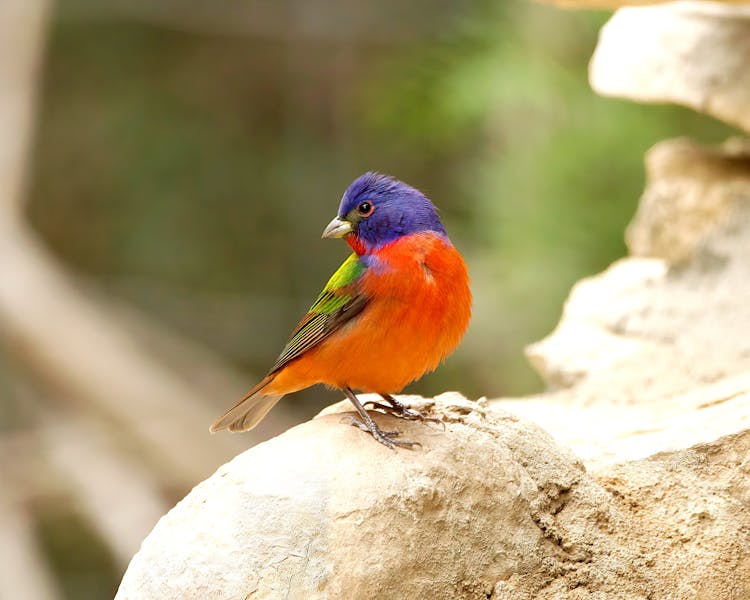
{"points": [[384, 437], [399, 410]]}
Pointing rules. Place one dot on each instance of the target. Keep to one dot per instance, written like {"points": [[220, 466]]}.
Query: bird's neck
{"points": [[362, 248], [356, 244]]}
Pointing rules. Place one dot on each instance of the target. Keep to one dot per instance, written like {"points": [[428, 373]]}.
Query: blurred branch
{"points": [[24, 574], [79, 347], [22, 24], [66, 337], [26, 478], [26, 475], [120, 500]]}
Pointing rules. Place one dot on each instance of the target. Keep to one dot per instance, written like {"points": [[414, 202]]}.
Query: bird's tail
{"points": [[249, 411]]}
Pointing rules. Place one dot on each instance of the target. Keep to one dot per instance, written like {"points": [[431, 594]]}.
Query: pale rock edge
{"points": [[693, 53]]}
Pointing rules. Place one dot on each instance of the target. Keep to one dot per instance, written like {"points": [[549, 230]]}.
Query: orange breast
{"points": [[419, 311]]}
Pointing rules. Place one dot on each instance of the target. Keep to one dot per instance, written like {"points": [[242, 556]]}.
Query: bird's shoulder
{"points": [[338, 303], [341, 286]]}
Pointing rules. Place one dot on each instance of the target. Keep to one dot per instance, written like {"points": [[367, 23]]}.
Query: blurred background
{"points": [[166, 169]]}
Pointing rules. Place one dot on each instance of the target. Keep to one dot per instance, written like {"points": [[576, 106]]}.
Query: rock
{"points": [[691, 508], [638, 489], [604, 435], [652, 328], [587, 340], [692, 190], [690, 53], [323, 511], [490, 507]]}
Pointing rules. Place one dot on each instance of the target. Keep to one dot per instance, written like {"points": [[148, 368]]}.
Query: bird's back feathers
{"points": [[340, 301]]}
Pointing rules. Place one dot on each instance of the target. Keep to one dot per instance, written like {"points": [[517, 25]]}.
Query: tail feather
{"points": [[249, 411]]}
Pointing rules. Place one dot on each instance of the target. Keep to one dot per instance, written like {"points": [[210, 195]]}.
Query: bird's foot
{"points": [[397, 409], [384, 437], [408, 414]]}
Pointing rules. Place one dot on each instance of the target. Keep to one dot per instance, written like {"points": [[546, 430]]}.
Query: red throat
{"points": [[356, 244]]}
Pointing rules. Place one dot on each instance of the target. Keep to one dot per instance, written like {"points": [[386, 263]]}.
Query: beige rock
{"points": [[690, 53], [604, 435], [490, 507], [691, 191], [652, 364], [324, 512], [587, 339], [691, 510]]}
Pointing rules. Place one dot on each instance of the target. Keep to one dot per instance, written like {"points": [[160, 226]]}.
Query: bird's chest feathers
{"points": [[410, 268], [418, 308]]}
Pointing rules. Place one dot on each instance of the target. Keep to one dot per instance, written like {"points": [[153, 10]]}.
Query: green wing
{"points": [[339, 302]]}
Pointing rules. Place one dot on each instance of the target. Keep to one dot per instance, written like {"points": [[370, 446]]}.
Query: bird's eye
{"points": [[365, 209]]}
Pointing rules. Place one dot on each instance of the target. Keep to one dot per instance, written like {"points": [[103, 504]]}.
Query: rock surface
{"points": [[690, 53], [492, 507], [324, 512], [692, 191]]}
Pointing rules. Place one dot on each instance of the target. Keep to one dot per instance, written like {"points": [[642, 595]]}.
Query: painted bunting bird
{"points": [[393, 311]]}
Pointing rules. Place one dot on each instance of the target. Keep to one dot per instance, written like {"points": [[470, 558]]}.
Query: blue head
{"points": [[376, 210]]}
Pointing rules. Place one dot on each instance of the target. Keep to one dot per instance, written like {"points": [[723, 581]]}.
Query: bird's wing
{"points": [[339, 302]]}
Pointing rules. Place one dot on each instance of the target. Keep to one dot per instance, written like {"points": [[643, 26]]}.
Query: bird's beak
{"points": [[337, 228]]}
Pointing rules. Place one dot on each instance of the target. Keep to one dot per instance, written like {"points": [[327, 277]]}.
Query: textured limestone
{"points": [[324, 512], [690, 53], [490, 507], [692, 190]]}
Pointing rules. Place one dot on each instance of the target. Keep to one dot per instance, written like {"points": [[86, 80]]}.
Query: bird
{"points": [[393, 311]]}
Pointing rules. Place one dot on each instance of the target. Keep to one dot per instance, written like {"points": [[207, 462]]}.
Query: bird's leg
{"points": [[397, 409], [367, 424]]}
